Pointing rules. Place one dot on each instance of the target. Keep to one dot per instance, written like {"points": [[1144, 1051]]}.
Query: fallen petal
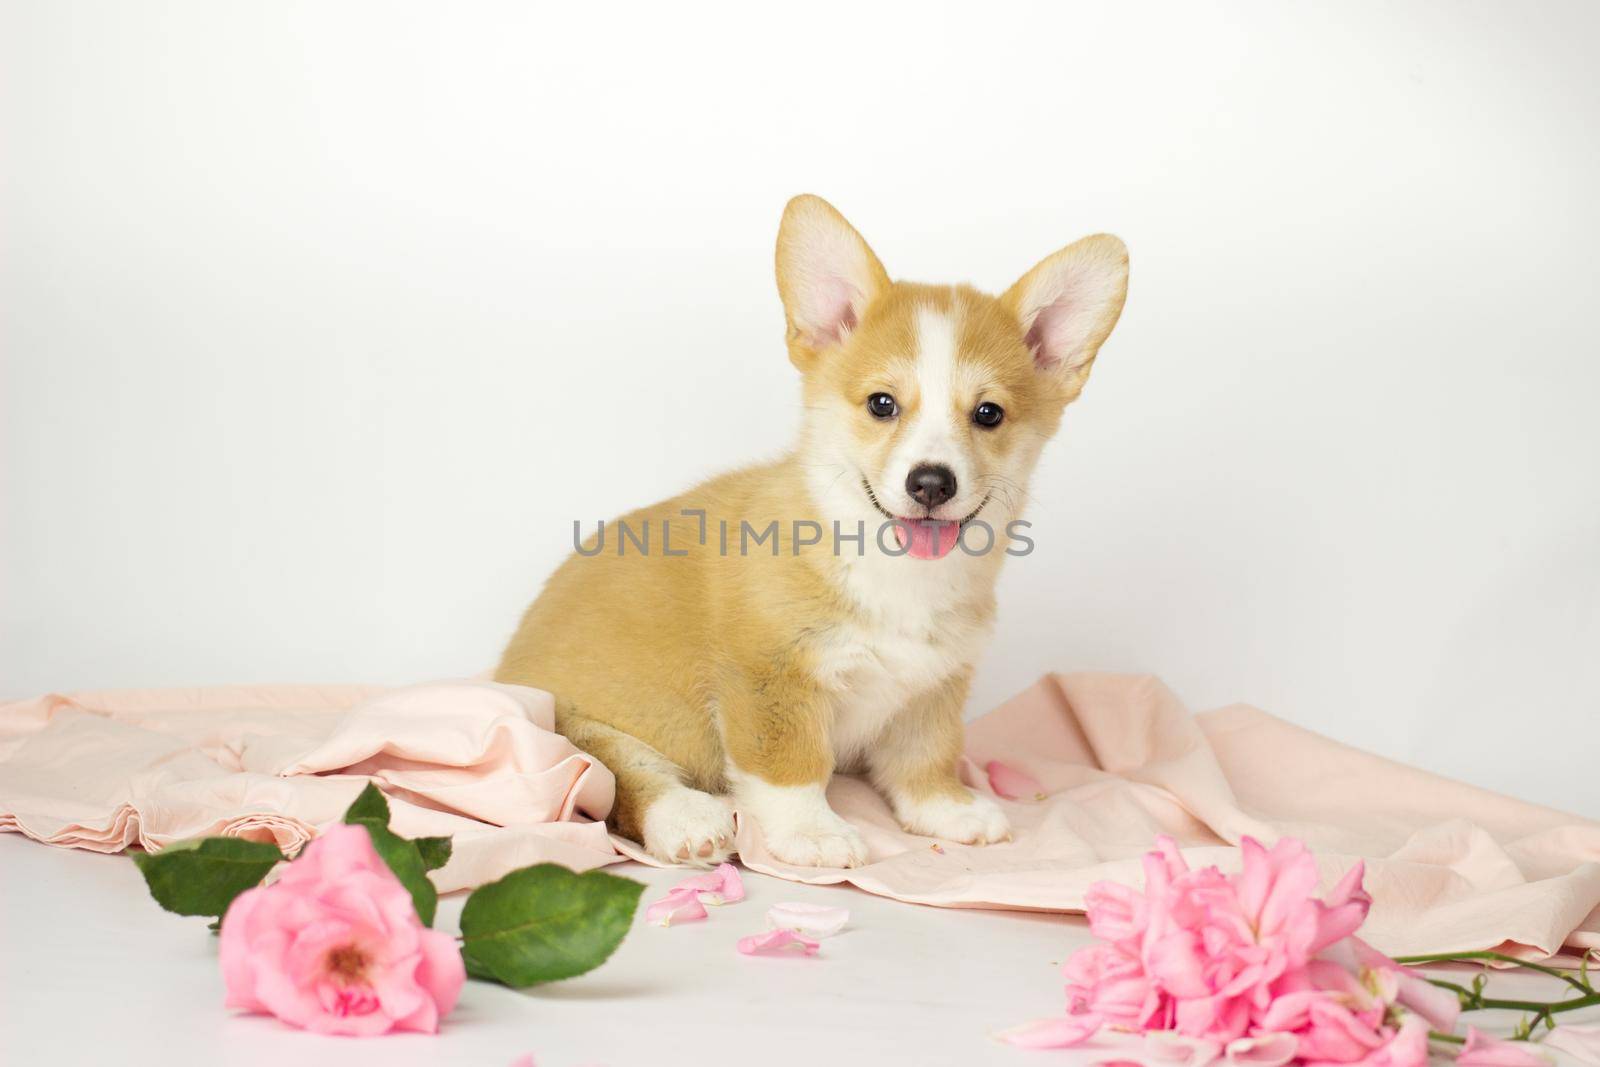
{"points": [[680, 905], [777, 943], [1168, 1046], [1484, 1050], [1061, 1031], [721, 886], [1265, 1050], [812, 920], [1582, 1043], [1011, 783]]}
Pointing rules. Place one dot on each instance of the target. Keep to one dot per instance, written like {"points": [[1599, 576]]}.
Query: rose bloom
{"points": [[1225, 948], [335, 946], [1251, 964], [1204, 953]]}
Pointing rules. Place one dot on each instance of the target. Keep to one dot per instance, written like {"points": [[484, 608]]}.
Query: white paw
{"points": [[834, 843], [688, 826], [977, 822], [798, 826]]}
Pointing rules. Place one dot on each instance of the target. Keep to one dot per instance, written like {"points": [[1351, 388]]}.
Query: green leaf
{"points": [[406, 863], [202, 877], [409, 860], [370, 806], [435, 851], [543, 923]]}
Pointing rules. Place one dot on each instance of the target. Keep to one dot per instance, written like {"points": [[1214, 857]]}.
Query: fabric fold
{"points": [[1118, 760]]}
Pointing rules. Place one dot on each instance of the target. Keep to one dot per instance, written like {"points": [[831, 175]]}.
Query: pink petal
{"points": [[812, 920], [721, 886], [681, 905], [1264, 1050], [1167, 849], [1582, 1043], [1408, 1047], [1062, 1031], [442, 972], [776, 943], [1349, 887], [1344, 909], [1385, 986], [1178, 963], [1292, 886], [1334, 1032], [1169, 1046], [1115, 912], [1403, 985], [1254, 879], [1336, 923], [1011, 783], [1483, 1050], [1289, 1011], [1440, 1007], [235, 952]]}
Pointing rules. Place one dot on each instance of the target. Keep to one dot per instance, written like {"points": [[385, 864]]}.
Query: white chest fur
{"points": [[874, 666]]}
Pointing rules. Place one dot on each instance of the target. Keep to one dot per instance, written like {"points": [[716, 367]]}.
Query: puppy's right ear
{"points": [[826, 276]]}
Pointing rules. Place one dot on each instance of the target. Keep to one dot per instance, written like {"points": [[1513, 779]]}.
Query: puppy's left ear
{"points": [[1067, 306], [826, 276]]}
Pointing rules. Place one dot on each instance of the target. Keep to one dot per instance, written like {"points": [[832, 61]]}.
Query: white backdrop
{"points": [[322, 322]]}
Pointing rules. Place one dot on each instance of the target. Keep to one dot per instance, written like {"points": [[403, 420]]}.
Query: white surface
{"points": [[321, 324], [93, 972], [902, 984]]}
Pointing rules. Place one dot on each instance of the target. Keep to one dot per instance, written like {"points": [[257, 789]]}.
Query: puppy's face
{"points": [[928, 406], [934, 408]]}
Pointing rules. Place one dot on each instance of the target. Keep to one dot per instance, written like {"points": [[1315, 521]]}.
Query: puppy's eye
{"points": [[882, 406], [988, 415]]}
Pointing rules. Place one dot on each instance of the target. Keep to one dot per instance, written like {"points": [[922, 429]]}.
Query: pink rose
{"points": [[1222, 945], [335, 946], [1251, 967]]}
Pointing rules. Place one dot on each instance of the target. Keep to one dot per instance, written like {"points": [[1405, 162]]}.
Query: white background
{"points": [[321, 323]]}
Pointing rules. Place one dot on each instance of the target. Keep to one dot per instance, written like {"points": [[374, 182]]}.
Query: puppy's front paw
{"points": [[832, 843], [798, 826], [978, 821], [688, 826]]}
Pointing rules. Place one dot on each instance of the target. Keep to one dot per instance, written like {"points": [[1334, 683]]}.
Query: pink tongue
{"points": [[928, 540]]}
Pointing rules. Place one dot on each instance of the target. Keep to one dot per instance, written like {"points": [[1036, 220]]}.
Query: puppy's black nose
{"points": [[931, 484]]}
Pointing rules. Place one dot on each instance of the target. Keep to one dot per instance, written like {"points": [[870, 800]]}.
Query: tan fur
{"points": [[685, 670]]}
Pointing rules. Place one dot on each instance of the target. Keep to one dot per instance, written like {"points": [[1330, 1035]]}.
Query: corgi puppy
{"points": [[824, 612]]}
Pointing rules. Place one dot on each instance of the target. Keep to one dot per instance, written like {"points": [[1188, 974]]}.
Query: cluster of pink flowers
{"points": [[1251, 967]]}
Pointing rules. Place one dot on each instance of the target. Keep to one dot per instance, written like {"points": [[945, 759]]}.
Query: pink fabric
{"points": [[1450, 867], [475, 760]]}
